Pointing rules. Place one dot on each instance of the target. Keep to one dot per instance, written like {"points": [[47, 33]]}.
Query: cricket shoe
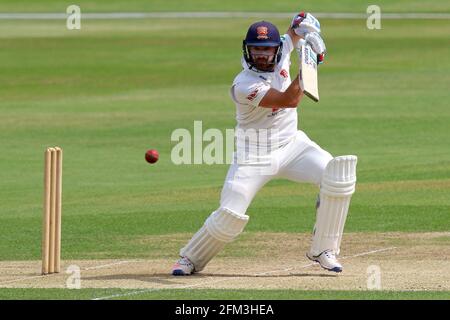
{"points": [[327, 260], [183, 267]]}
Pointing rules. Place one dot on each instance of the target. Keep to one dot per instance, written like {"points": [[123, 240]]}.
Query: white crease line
{"points": [[85, 269], [285, 270], [22, 279], [370, 252], [214, 15], [119, 295], [157, 289], [109, 265]]}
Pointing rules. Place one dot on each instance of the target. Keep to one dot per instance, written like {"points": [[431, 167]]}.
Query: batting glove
{"points": [[317, 44], [304, 23]]}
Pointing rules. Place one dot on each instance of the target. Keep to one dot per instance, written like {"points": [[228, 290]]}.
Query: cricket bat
{"points": [[308, 72]]}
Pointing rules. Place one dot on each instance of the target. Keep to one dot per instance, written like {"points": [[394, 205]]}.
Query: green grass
{"points": [[230, 5], [114, 89], [83, 294]]}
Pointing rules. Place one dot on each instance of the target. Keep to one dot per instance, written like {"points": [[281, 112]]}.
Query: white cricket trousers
{"points": [[300, 160]]}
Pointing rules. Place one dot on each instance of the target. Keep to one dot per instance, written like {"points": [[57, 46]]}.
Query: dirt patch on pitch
{"points": [[405, 261]]}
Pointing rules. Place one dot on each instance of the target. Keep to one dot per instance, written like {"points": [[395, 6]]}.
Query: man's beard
{"points": [[264, 65]]}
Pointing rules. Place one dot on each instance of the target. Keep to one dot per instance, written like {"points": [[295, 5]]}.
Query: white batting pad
{"points": [[221, 227], [336, 189]]}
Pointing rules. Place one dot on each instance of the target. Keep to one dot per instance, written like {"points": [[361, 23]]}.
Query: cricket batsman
{"points": [[266, 104]]}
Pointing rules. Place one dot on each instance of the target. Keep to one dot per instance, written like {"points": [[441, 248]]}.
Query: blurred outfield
{"points": [[436, 6], [114, 89]]}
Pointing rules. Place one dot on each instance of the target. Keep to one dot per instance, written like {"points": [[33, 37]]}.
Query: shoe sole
{"points": [[179, 272], [335, 269]]}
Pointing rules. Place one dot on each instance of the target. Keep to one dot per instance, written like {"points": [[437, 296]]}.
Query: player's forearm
{"points": [[294, 93], [289, 98]]}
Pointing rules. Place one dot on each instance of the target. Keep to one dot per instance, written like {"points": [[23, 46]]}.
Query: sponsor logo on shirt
{"points": [[253, 94]]}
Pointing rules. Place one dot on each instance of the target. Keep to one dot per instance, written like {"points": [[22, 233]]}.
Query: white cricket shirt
{"points": [[248, 89]]}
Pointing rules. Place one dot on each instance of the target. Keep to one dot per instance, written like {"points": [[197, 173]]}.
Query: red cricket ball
{"points": [[151, 156]]}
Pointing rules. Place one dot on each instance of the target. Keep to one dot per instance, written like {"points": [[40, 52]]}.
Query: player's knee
{"points": [[225, 225], [339, 176]]}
